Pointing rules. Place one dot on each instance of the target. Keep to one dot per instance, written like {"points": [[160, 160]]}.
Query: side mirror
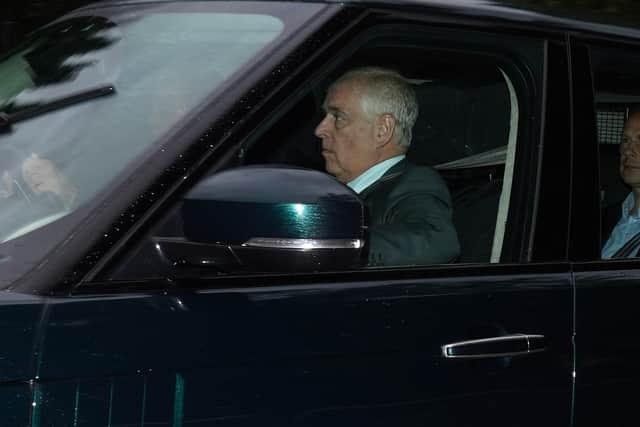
{"points": [[269, 219]]}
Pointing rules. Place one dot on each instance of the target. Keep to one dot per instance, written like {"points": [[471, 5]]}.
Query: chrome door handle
{"points": [[504, 346]]}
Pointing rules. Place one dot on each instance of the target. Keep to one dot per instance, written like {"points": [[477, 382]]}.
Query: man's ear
{"points": [[384, 129]]}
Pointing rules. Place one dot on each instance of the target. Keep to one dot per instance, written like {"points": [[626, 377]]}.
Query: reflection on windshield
{"points": [[48, 58], [34, 190], [163, 63]]}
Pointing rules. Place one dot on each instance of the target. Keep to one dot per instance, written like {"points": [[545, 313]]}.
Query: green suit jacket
{"points": [[410, 218]]}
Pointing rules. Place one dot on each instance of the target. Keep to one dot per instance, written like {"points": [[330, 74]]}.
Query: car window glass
{"points": [[469, 129], [617, 96]]}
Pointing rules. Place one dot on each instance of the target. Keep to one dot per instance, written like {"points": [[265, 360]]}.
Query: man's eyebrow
{"points": [[332, 109]]}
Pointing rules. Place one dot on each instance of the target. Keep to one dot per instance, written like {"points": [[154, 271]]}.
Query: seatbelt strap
{"points": [[628, 247]]}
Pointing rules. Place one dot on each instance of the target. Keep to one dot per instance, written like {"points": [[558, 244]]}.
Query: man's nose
{"points": [[321, 129]]}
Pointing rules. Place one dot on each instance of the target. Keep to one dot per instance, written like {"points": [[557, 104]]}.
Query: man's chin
{"points": [[331, 168], [631, 176]]}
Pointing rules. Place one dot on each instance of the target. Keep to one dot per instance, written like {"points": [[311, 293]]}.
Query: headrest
{"points": [[458, 119]]}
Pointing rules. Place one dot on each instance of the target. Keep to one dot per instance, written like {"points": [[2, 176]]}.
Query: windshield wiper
{"points": [[7, 119]]}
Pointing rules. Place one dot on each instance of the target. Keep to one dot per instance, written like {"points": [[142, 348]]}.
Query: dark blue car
{"points": [[172, 252]]}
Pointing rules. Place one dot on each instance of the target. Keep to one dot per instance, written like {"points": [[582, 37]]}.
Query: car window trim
{"points": [[449, 273]]}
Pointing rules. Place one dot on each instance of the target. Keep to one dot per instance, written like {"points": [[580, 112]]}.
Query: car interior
{"points": [[468, 128], [611, 117], [467, 124], [617, 92]]}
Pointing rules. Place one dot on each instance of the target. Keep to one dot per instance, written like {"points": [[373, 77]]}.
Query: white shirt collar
{"points": [[627, 206], [374, 173]]}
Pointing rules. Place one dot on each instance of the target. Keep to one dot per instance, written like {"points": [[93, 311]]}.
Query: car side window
{"points": [[617, 97], [473, 98], [466, 130]]}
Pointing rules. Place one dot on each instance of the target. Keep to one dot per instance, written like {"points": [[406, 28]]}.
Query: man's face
{"points": [[630, 151], [348, 144]]}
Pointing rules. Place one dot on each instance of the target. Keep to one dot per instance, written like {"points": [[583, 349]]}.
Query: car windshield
{"points": [[84, 97]]}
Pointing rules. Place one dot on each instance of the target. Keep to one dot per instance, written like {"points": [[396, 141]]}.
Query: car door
{"points": [[361, 348], [606, 290], [477, 342]]}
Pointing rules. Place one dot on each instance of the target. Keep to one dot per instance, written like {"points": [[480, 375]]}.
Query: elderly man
{"points": [[624, 240], [365, 134]]}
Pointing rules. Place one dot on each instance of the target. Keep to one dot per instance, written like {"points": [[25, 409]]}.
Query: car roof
{"points": [[622, 21], [604, 20]]}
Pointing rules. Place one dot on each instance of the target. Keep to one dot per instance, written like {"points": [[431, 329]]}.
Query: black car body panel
{"points": [[312, 354]]}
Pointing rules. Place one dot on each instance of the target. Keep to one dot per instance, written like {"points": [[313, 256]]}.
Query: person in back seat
{"points": [[624, 240], [366, 131]]}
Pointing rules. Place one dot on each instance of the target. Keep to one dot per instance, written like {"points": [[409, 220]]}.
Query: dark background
{"points": [[19, 17]]}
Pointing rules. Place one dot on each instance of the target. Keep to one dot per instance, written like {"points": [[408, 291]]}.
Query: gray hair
{"points": [[385, 91]]}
